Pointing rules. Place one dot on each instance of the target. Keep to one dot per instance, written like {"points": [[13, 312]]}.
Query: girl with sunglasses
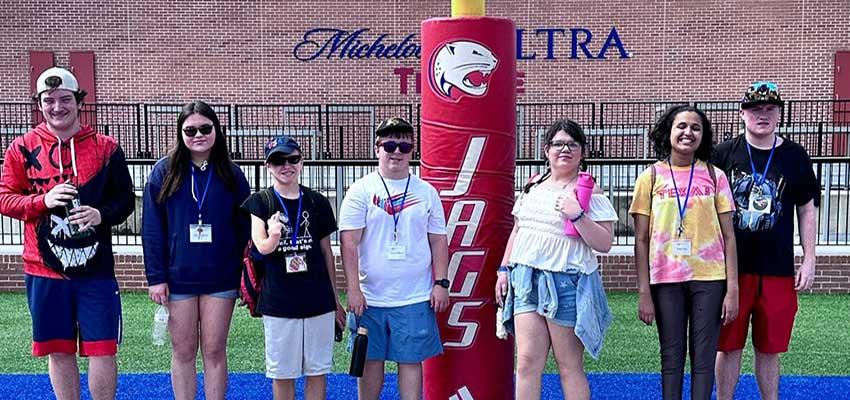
{"points": [[685, 249], [549, 282], [291, 226], [193, 235]]}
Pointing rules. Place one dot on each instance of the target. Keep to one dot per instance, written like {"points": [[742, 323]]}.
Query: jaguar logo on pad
{"points": [[461, 68]]}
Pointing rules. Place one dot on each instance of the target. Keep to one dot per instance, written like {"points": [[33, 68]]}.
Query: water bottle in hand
{"points": [[584, 190], [74, 229], [337, 332], [358, 353], [501, 332], [160, 326]]}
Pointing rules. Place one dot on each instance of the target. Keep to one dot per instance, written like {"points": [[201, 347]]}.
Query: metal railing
{"points": [[615, 176], [616, 130], [337, 141]]}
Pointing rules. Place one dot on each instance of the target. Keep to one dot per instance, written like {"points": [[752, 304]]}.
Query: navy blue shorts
{"points": [[67, 312]]}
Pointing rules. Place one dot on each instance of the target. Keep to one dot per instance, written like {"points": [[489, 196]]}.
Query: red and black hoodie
{"points": [[36, 162]]}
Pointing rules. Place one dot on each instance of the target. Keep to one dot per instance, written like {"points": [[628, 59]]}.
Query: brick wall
{"points": [[832, 273], [242, 51]]}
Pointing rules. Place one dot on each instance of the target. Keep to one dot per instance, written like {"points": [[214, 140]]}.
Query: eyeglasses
{"points": [[559, 146], [191, 131], [282, 160], [390, 146]]}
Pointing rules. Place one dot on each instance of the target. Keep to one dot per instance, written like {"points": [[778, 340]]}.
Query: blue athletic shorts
{"points": [[225, 294], [67, 312], [406, 334]]}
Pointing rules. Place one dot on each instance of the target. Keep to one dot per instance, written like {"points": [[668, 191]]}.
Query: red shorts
{"points": [[771, 302]]}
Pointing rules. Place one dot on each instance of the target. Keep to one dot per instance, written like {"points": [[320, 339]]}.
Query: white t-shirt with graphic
{"points": [[384, 280]]}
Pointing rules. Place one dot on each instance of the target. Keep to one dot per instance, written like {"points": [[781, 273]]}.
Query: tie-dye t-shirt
{"points": [[702, 226]]}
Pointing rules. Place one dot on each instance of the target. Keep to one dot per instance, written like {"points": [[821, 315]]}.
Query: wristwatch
{"points": [[443, 282]]}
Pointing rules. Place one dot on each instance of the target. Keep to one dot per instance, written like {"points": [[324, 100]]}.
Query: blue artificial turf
{"points": [[608, 386]]}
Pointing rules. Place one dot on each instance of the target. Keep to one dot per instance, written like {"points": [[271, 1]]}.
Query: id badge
{"points": [[396, 252], [200, 233], [682, 247], [296, 263], [759, 203]]}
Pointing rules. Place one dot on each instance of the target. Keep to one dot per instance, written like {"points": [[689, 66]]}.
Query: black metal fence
{"points": [[615, 176], [616, 130], [337, 140]]}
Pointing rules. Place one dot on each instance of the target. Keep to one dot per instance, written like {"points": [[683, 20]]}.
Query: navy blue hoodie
{"points": [[194, 268]]}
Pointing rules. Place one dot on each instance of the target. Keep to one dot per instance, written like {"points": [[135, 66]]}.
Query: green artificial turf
{"points": [[819, 345]]}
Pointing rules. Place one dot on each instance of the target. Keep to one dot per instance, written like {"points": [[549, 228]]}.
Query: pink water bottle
{"points": [[584, 189]]}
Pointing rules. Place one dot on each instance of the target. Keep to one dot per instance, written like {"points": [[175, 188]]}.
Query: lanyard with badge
{"points": [[681, 247], [396, 251], [200, 232], [297, 261], [759, 201]]}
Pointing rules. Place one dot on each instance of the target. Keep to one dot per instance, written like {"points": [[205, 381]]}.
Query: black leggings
{"points": [[688, 316]]}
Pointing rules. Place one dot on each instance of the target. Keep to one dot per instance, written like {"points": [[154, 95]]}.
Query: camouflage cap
{"points": [[762, 92]]}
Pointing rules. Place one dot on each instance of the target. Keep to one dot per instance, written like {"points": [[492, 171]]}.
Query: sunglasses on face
{"points": [[559, 146], [191, 131], [283, 160], [390, 146]]}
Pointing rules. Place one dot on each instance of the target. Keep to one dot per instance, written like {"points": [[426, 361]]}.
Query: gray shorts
{"points": [[298, 347]]}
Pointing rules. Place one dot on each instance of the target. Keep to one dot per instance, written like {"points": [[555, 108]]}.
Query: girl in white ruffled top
{"points": [[549, 283]]}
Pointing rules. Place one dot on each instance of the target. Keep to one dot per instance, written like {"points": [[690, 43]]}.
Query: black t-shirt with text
{"points": [[296, 294], [764, 209]]}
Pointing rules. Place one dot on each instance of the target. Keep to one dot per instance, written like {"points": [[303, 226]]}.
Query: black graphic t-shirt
{"points": [[296, 294], [764, 208]]}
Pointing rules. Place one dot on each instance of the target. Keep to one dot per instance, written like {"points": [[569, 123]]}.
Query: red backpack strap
{"points": [[252, 273]]}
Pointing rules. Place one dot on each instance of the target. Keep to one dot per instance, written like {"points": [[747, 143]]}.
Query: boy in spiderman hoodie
{"points": [[70, 185]]}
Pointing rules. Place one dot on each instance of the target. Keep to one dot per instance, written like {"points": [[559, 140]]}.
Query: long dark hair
{"points": [[574, 131], [660, 133], [180, 156]]}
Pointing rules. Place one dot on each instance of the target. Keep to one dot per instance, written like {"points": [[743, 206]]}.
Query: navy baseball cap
{"points": [[281, 144]]}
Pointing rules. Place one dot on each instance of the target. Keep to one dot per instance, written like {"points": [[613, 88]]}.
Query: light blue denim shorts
{"points": [[404, 334], [226, 294], [527, 297]]}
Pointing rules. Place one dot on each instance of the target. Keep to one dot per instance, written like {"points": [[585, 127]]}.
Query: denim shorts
{"points": [[404, 334], [225, 294], [527, 299]]}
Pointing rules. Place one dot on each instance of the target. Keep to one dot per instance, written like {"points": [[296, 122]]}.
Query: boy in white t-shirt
{"points": [[395, 255]]}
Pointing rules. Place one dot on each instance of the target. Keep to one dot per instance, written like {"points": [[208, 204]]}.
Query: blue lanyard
{"points": [[294, 229], [758, 179], [400, 208], [682, 207], [200, 202]]}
